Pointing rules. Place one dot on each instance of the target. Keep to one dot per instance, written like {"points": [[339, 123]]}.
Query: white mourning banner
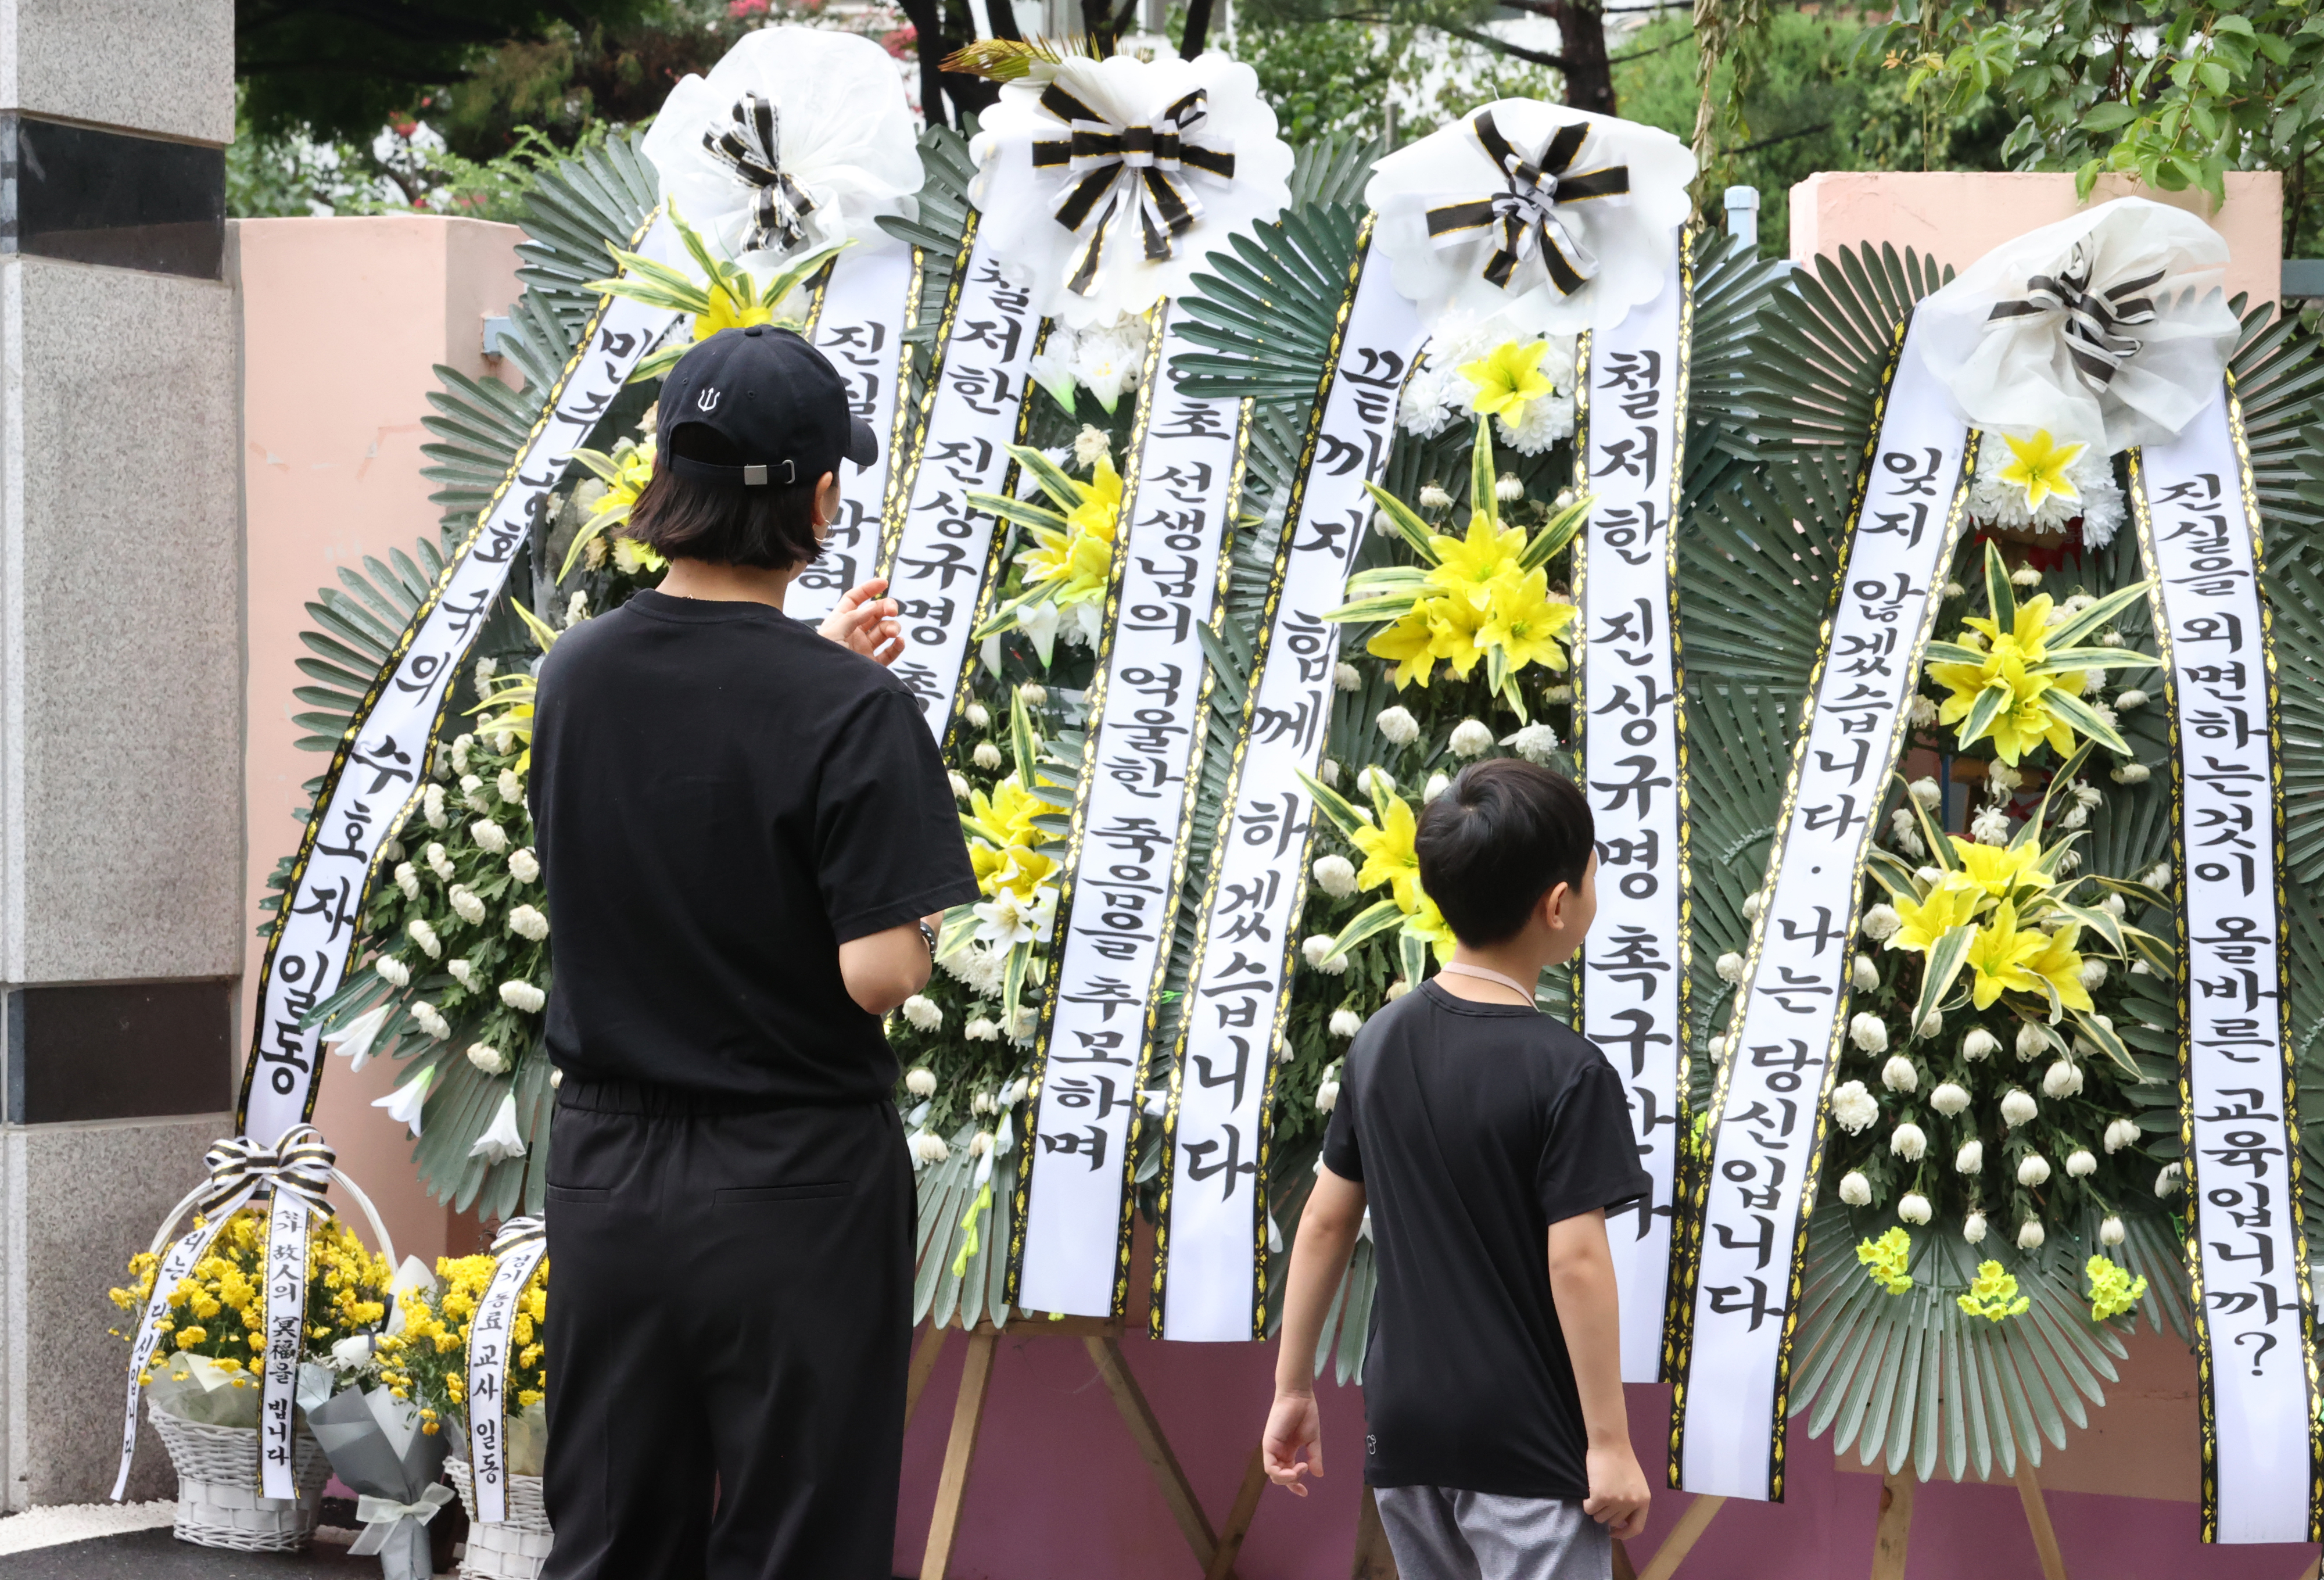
{"points": [[1127, 852], [2198, 531], [286, 1343], [517, 1250], [1731, 1366], [1211, 1261], [941, 563], [1632, 383], [375, 775], [867, 304]]}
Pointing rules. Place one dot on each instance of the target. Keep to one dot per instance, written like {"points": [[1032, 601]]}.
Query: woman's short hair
{"points": [[1503, 834], [727, 523]]}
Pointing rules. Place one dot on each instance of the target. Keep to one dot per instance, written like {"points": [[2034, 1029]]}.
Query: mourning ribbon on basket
{"points": [[380, 1516], [1142, 166], [1526, 213], [516, 1232], [2093, 320], [298, 1164], [752, 149]]}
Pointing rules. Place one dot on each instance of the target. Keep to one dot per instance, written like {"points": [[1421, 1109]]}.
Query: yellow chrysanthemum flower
{"points": [[1998, 955], [1885, 1261], [2038, 465], [1508, 379], [1993, 1294], [2113, 1291]]}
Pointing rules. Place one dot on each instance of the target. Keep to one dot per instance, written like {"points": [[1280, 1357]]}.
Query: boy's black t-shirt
{"points": [[720, 797], [1473, 1127]]}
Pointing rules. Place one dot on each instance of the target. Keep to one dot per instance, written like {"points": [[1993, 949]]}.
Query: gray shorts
{"points": [[1441, 1533]]}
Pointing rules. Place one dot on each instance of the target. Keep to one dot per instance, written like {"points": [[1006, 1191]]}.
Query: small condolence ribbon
{"points": [[1527, 213], [1141, 166]]}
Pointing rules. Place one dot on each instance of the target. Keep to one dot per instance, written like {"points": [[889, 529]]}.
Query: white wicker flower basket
{"points": [[219, 1504], [514, 1549]]}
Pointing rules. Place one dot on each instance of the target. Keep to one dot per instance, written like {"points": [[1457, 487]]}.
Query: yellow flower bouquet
{"points": [[427, 1363]]}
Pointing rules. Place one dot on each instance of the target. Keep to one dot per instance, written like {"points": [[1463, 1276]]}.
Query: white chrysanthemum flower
{"points": [[1537, 743], [987, 756], [1979, 1044], [1034, 694], [1927, 792], [490, 836], [1864, 973], [2111, 1231], [1970, 1159], [1539, 425], [1376, 780], [522, 997], [431, 1020], [2026, 575], [1854, 1189], [1868, 1032], [528, 921], [466, 905], [2004, 780], [1990, 827], [488, 1059], [2033, 1042], [1399, 725], [1327, 1095], [1909, 1142], [1973, 1228], [979, 1143], [1335, 875], [463, 745], [1729, 966], [1913, 1207], [1432, 497], [2132, 773], [1950, 1098], [1347, 677], [1471, 738], [1437, 786], [1395, 990], [392, 970], [463, 972], [2168, 1180], [472, 791], [425, 937], [2061, 1079], [510, 786], [2120, 1133], [2081, 1163], [2029, 1234], [2112, 906], [2130, 701], [979, 717], [1904, 833], [523, 865], [407, 878], [959, 783], [2033, 1169], [1346, 1022], [2076, 817], [1328, 772], [920, 1082], [431, 807], [923, 1013], [1092, 446], [981, 1030], [1755, 901], [1922, 711], [438, 860], [2018, 1107], [1853, 1107], [927, 1147]]}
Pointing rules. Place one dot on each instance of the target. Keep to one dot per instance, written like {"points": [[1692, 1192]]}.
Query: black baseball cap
{"points": [[777, 404]]}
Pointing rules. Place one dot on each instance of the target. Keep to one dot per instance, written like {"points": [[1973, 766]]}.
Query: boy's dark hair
{"points": [[684, 518], [1503, 834]]}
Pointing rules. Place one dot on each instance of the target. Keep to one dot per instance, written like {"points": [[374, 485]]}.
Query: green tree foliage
{"points": [[1323, 78]]}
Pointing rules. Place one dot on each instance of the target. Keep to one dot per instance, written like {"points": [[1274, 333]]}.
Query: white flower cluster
{"points": [[1439, 393], [1105, 359], [1995, 502]]}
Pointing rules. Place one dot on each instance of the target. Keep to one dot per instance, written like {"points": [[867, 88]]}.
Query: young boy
{"points": [[1487, 1140]]}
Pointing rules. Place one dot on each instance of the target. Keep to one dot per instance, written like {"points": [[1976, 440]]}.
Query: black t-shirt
{"points": [[1472, 1128], [720, 797]]}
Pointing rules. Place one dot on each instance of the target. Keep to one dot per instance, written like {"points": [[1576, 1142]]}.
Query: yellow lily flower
{"points": [[1508, 379], [2038, 467], [1456, 628], [1388, 855], [1027, 871], [1468, 568], [987, 864], [1526, 622], [727, 313], [1998, 956], [1424, 920], [1077, 563], [2061, 965], [2027, 638], [1410, 644], [1998, 870], [1949, 904]]}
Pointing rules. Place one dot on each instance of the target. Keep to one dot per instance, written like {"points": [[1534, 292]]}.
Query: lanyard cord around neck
{"points": [[1457, 969]]}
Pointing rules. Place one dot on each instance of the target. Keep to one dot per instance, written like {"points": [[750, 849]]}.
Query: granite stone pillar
{"points": [[121, 618]]}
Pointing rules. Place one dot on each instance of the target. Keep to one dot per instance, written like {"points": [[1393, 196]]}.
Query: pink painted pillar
{"points": [[342, 320]]}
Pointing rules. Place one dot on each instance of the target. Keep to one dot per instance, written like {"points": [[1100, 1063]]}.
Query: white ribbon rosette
{"points": [[2109, 328], [1104, 183], [799, 139], [1547, 219]]}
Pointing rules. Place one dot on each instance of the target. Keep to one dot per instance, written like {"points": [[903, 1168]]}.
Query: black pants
{"points": [[730, 1322]]}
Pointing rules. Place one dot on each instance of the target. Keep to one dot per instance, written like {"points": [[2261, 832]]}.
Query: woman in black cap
{"points": [[748, 835]]}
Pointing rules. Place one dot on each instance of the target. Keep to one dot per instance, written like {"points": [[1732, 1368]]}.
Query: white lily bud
{"points": [[2132, 773], [2125, 701]]}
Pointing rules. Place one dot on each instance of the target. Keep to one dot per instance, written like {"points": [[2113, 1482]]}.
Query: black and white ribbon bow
{"points": [[299, 1163], [516, 1232], [1143, 166], [752, 149], [1526, 213], [2092, 319]]}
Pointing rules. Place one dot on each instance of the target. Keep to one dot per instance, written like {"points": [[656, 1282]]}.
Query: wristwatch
{"points": [[928, 934]]}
